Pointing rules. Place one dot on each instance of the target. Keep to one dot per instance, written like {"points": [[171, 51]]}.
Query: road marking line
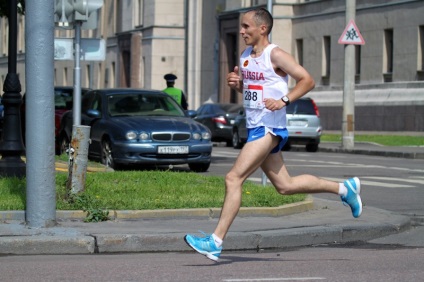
{"points": [[356, 165], [395, 179], [320, 165], [373, 183], [276, 279], [363, 182], [257, 179]]}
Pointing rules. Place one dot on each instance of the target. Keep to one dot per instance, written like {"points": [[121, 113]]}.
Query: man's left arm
{"points": [[285, 64]]}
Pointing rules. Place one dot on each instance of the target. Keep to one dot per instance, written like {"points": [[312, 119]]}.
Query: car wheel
{"points": [[199, 167], [106, 154], [63, 145], [312, 147], [229, 143], [237, 144], [286, 147]]}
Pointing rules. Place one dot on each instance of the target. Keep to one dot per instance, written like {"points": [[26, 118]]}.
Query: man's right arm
{"points": [[234, 80]]}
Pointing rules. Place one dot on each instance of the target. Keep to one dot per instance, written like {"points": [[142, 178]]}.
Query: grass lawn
{"points": [[139, 190], [386, 140]]}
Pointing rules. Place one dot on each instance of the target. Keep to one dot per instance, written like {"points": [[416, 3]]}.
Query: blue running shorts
{"points": [[260, 131]]}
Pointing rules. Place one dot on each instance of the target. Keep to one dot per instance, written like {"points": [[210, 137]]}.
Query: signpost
{"points": [[350, 36], [91, 49], [78, 14]]}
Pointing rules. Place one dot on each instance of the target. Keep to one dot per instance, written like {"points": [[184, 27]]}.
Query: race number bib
{"points": [[253, 96]]}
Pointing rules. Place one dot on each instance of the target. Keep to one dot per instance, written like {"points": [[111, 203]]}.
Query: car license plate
{"points": [[297, 123], [173, 149]]}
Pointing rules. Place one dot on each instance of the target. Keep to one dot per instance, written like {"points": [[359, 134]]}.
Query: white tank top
{"points": [[260, 81]]}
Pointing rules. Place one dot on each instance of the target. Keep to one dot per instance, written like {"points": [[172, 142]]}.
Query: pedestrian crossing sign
{"points": [[351, 35]]}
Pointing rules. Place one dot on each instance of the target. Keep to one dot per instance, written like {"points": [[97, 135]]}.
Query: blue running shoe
{"points": [[353, 199], [204, 245]]}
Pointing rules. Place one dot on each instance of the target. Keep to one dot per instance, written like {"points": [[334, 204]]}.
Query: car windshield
{"points": [[63, 99], [143, 104], [231, 108]]}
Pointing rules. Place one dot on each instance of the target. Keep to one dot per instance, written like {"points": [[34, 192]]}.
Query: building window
{"points": [[299, 51], [420, 53], [5, 39], [326, 59], [112, 75], [99, 76], [88, 75], [21, 35], [65, 77], [357, 64], [138, 12], [388, 56]]}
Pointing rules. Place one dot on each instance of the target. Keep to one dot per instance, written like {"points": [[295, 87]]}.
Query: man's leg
{"points": [[276, 171], [249, 159]]}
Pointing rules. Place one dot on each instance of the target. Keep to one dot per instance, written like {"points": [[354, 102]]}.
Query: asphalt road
{"points": [[320, 263], [393, 184]]}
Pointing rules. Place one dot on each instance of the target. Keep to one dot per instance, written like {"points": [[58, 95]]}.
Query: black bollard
{"points": [[11, 145]]}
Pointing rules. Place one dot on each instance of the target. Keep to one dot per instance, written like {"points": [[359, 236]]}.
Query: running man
{"points": [[265, 69]]}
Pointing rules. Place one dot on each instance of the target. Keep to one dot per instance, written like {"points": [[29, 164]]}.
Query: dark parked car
{"points": [[63, 102], [135, 126], [303, 124], [219, 118]]}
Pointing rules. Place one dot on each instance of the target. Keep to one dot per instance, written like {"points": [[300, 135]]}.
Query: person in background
{"points": [[176, 93]]}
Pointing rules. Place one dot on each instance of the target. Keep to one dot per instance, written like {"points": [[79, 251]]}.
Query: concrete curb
{"points": [[405, 155], [17, 239], [381, 151], [288, 209], [88, 238]]}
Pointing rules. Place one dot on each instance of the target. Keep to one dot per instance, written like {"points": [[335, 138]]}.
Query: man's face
{"points": [[249, 30]]}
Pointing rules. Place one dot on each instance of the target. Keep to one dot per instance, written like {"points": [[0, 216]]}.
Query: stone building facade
{"points": [[199, 41]]}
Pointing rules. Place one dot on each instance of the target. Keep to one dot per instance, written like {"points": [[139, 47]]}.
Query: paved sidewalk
{"points": [[315, 221], [303, 224]]}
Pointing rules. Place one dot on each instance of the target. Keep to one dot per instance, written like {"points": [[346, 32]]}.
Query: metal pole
{"points": [[77, 75], [39, 70], [269, 8], [348, 122], [78, 159]]}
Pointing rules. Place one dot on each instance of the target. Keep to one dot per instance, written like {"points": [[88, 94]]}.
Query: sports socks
{"points": [[218, 241], [342, 190]]}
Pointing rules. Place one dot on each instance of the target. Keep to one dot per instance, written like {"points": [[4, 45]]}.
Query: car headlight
{"points": [[131, 135], [206, 135], [196, 136], [144, 136]]}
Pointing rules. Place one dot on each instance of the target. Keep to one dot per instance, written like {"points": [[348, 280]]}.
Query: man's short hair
{"points": [[263, 16]]}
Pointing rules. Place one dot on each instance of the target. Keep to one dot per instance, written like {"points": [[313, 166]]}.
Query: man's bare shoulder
{"points": [[278, 51]]}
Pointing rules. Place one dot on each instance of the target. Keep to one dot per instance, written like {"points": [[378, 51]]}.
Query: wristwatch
{"points": [[286, 100]]}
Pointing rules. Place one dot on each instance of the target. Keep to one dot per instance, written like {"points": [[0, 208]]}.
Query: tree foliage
{"points": [[4, 7]]}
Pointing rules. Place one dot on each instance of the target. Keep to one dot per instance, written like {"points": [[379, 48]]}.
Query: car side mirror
{"points": [[191, 113], [93, 113]]}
